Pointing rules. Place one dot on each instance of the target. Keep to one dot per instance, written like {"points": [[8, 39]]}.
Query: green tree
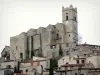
{"points": [[32, 53], [53, 64], [51, 67], [60, 51], [27, 54]]}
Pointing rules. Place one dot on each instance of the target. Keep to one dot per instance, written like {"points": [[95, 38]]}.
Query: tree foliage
{"points": [[32, 53], [79, 39], [53, 64], [60, 51], [27, 54]]}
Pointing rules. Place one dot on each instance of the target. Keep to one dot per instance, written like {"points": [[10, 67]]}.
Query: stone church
{"points": [[48, 41], [53, 41], [33, 49]]}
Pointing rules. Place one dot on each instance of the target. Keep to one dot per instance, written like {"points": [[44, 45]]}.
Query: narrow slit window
{"points": [[26, 70], [57, 36], [75, 18], [21, 55], [16, 47], [67, 45], [66, 17], [82, 61], [77, 61], [69, 35], [53, 46], [32, 42]]}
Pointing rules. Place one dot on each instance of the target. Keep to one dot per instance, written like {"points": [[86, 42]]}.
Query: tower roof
{"points": [[69, 8]]}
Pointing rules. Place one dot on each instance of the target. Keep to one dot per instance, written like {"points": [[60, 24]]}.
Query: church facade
{"points": [[51, 41]]}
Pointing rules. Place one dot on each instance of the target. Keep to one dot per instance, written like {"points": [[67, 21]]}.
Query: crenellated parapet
{"points": [[69, 8]]}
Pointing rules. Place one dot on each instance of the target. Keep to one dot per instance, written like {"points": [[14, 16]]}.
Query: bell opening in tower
{"points": [[66, 18]]}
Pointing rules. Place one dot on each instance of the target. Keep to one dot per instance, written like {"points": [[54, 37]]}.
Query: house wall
{"points": [[39, 66], [18, 45], [91, 61], [1, 72], [5, 64], [95, 60]]}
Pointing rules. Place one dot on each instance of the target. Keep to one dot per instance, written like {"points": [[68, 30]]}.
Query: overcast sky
{"points": [[18, 16]]}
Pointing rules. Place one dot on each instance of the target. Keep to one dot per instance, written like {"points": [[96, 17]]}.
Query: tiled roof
{"points": [[29, 61], [20, 74], [87, 45], [72, 65], [90, 68]]}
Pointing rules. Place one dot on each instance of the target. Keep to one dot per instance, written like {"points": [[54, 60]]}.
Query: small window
{"points": [[84, 54], [67, 52], [21, 55], [78, 56], [77, 61], [74, 49], [16, 47], [53, 46], [82, 61], [69, 35], [75, 18], [57, 36], [8, 66], [66, 17], [26, 70], [76, 74], [67, 45]]}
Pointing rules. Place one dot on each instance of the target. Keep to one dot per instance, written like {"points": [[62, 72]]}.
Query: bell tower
{"points": [[69, 19]]}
